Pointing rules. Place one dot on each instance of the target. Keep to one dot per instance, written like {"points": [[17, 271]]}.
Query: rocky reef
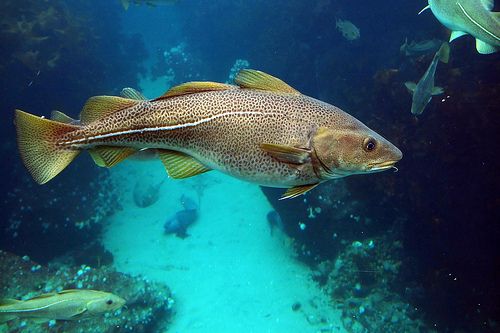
{"points": [[148, 308]]}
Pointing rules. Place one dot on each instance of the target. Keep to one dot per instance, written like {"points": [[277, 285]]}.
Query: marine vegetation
{"points": [[192, 136]]}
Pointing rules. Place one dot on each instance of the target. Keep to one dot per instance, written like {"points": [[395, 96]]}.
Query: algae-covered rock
{"points": [[148, 306]]}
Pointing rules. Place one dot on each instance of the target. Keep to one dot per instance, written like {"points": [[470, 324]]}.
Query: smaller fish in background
{"points": [[150, 3], [181, 220], [72, 304], [348, 29], [425, 89], [274, 221], [415, 49], [146, 193]]}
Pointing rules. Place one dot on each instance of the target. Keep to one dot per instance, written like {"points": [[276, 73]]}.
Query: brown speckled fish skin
{"points": [[242, 119]]}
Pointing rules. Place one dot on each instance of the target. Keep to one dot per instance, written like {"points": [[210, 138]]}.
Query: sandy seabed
{"points": [[230, 274]]}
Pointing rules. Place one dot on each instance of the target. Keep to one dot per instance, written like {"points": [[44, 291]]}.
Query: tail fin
{"points": [[36, 139], [444, 52]]}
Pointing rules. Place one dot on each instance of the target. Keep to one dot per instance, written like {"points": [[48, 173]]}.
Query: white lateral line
{"points": [[167, 128]]}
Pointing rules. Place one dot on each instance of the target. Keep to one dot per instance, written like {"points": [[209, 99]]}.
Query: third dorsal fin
{"points": [[253, 79], [195, 87], [98, 107]]}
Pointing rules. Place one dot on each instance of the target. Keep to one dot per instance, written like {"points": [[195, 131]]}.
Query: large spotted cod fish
{"points": [[260, 130]]}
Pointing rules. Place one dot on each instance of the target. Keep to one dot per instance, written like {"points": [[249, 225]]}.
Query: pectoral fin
{"points": [[297, 190], [180, 165], [437, 91], [485, 48], [287, 154], [411, 86], [109, 156], [456, 34]]}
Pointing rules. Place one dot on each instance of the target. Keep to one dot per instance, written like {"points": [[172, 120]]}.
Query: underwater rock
{"points": [[181, 220], [146, 193], [148, 306]]}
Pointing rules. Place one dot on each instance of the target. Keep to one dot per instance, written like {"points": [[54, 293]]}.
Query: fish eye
{"points": [[369, 144], [109, 302]]}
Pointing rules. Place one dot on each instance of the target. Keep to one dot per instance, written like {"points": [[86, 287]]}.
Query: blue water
{"points": [[424, 239]]}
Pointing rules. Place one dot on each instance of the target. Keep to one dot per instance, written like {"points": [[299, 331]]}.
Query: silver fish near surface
{"points": [[423, 91]]}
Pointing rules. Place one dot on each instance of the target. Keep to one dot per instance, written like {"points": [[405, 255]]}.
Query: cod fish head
{"points": [[104, 302], [352, 149]]}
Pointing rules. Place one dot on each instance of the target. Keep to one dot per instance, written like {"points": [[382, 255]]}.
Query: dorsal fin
{"points": [[195, 87], [43, 296], [98, 107], [294, 192], [132, 93], [9, 301], [253, 79], [62, 118]]}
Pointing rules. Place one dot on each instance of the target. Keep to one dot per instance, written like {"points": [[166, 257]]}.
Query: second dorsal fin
{"points": [[98, 107], [195, 87], [132, 93], [62, 118], [254, 79]]}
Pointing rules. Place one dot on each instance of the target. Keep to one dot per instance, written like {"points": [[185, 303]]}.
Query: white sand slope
{"points": [[230, 274]]}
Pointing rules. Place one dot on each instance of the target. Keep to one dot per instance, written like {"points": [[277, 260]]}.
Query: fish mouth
{"points": [[376, 167]]}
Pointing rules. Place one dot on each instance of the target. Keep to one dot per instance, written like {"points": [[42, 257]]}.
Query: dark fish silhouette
{"points": [[146, 194], [274, 220], [181, 220]]}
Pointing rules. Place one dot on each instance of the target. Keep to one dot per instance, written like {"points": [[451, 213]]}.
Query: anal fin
{"points": [[294, 192], [180, 165], [109, 156], [485, 48]]}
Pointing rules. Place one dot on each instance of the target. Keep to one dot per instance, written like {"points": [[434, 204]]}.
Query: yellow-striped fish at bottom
{"points": [[70, 304], [260, 130]]}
